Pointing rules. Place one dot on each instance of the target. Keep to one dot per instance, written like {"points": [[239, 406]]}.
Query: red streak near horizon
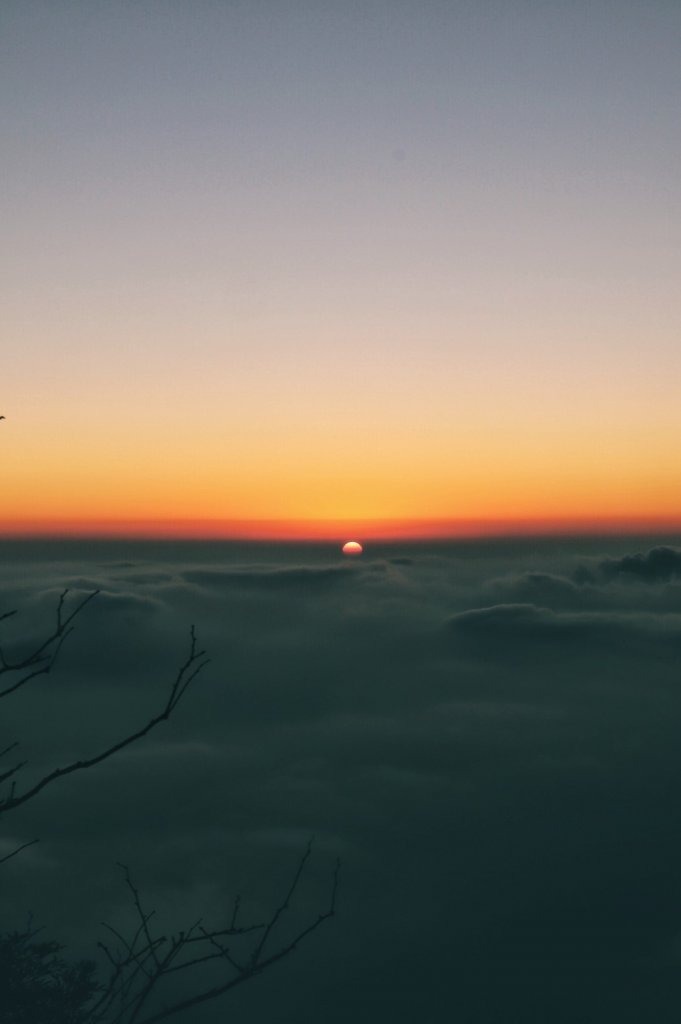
{"points": [[336, 530]]}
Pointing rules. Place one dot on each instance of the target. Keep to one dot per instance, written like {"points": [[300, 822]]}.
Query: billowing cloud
{"points": [[659, 565], [489, 742], [528, 622], [262, 578]]}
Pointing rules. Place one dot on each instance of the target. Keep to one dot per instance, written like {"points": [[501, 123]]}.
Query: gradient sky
{"points": [[301, 261]]}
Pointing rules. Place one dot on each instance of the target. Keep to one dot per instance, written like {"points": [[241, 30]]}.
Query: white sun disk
{"points": [[352, 547]]}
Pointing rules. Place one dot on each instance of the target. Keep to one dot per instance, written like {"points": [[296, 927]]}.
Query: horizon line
{"points": [[337, 529]]}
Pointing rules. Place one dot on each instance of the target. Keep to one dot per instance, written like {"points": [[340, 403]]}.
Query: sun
{"points": [[352, 547]]}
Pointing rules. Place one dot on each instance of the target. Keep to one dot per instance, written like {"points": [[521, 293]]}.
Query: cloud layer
{"points": [[487, 734]]}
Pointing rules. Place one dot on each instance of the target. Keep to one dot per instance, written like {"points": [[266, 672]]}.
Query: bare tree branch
{"points": [[144, 918], [195, 662], [24, 846], [257, 952], [42, 658], [138, 969], [139, 963]]}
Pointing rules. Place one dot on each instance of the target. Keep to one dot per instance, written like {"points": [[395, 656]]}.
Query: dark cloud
{"points": [[597, 585], [660, 565], [528, 621], [490, 743], [538, 588], [298, 578], [148, 578]]}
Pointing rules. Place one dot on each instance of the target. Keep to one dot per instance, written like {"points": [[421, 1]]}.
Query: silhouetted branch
{"points": [[23, 846], [139, 963], [12, 771], [138, 966], [144, 918], [42, 658], [257, 952], [195, 662]]}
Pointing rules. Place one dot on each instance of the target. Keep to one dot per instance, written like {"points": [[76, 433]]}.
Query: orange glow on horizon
{"points": [[90, 475], [336, 530], [277, 331]]}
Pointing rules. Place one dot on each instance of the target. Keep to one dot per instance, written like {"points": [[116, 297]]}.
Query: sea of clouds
{"points": [[487, 734]]}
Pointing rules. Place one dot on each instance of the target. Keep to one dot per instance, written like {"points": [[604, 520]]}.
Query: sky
{"points": [[486, 734], [292, 268]]}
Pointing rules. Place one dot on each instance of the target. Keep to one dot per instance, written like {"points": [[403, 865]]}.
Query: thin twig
{"points": [[137, 973], [24, 846], [42, 659]]}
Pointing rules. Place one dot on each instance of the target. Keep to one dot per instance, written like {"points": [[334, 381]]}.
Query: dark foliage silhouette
{"points": [[37, 986]]}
